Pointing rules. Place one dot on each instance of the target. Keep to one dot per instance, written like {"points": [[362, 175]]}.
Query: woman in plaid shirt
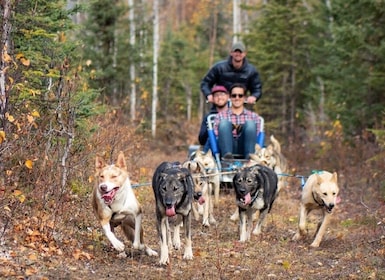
{"points": [[236, 128]]}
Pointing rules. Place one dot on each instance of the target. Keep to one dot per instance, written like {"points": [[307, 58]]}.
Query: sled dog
{"points": [[320, 192], [272, 157], [255, 189], [208, 161], [204, 206], [173, 188], [115, 204]]}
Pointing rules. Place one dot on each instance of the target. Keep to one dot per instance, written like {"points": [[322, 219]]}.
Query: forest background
{"points": [[77, 78]]}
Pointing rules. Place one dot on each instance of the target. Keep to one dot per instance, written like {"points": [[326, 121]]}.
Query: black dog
{"points": [[255, 189], [174, 191]]}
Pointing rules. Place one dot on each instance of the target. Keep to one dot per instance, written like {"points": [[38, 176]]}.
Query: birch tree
{"points": [[155, 68], [132, 65], [5, 61]]}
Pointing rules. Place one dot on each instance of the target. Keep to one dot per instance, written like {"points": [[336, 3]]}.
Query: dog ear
{"points": [[270, 148], [254, 169], [99, 163], [257, 148], [121, 162], [183, 173], [319, 179], [334, 177], [200, 168], [163, 175]]}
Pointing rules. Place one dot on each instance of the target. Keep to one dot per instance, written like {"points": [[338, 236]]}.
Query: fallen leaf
{"points": [[2, 136], [30, 271], [29, 163], [32, 257]]}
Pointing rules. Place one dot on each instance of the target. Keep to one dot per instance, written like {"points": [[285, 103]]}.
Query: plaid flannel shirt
{"points": [[236, 120]]}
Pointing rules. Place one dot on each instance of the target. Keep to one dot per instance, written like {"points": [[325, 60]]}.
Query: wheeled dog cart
{"points": [[227, 167]]}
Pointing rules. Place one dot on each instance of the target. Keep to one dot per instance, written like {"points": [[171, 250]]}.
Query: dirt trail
{"points": [[353, 247]]}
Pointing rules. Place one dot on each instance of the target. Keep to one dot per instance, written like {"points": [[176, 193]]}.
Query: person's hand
{"points": [[251, 99], [210, 98]]}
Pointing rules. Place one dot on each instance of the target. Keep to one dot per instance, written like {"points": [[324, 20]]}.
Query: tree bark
{"points": [[155, 68], [132, 66], [5, 60]]}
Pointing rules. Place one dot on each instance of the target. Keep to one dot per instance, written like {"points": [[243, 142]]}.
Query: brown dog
{"points": [[204, 206], [320, 192], [272, 157], [115, 204]]}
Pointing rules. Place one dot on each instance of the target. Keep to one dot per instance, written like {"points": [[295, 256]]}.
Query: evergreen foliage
{"points": [[50, 101]]}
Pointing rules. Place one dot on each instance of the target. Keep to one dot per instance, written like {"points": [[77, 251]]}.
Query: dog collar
{"points": [[254, 197], [316, 200]]}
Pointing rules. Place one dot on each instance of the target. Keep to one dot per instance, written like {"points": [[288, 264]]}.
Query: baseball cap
{"points": [[218, 88], [238, 46]]}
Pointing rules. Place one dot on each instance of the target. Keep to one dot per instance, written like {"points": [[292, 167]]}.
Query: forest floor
{"points": [[353, 246]]}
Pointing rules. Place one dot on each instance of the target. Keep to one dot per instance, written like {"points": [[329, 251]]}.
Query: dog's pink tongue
{"points": [[247, 199], [109, 197], [201, 200], [170, 211]]}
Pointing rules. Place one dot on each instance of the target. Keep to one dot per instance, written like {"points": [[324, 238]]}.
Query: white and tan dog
{"points": [[115, 204], [320, 192], [208, 161], [272, 157], [205, 204]]}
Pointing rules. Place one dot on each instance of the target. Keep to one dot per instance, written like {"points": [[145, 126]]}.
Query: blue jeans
{"points": [[243, 145]]}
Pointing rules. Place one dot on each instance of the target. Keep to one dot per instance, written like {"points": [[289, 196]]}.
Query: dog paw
{"points": [[206, 223], [122, 255], [137, 245], [257, 231], [212, 221], [242, 239], [176, 245], [151, 252], [119, 246], [314, 244], [296, 237], [188, 255], [234, 217]]}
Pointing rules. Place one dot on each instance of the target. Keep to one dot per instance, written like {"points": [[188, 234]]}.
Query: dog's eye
{"points": [[325, 193], [334, 193], [175, 188]]}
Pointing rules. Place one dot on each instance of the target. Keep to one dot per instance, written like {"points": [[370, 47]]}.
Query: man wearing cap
{"points": [[220, 97], [235, 69]]}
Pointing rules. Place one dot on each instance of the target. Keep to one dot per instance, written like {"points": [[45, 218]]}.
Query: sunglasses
{"points": [[237, 95]]}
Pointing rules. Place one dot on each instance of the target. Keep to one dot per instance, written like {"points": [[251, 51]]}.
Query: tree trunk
{"points": [[236, 20], [132, 66], [155, 68], [5, 60]]}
